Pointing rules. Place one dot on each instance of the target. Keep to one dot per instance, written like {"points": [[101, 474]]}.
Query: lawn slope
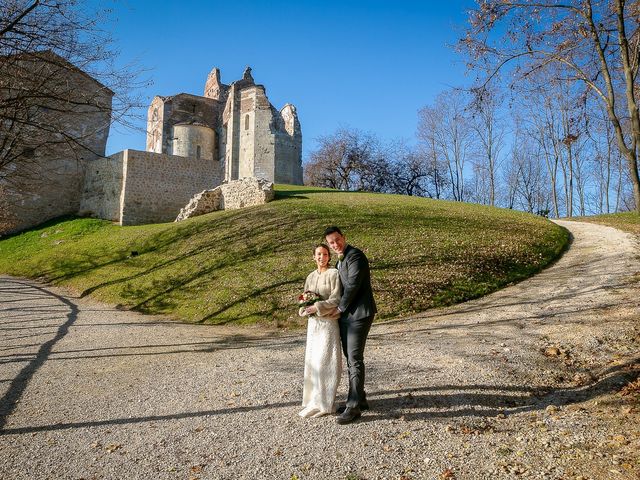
{"points": [[626, 221], [249, 265]]}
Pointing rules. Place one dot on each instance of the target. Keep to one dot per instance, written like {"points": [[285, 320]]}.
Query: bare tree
{"points": [[414, 171], [408, 170], [348, 159], [479, 187], [598, 41], [531, 189], [490, 138], [542, 125], [428, 149], [554, 115], [445, 126], [607, 162], [41, 43]]}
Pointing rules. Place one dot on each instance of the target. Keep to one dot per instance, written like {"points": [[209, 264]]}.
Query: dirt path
{"points": [[527, 382]]}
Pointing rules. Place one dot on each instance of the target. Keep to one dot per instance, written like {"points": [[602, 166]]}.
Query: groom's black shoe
{"points": [[349, 415], [363, 406]]}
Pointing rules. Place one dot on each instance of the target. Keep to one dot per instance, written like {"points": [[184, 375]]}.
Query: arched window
{"points": [[246, 122]]}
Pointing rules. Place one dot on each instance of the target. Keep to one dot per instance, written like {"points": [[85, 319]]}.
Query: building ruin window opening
{"points": [[198, 151], [246, 122], [193, 108]]}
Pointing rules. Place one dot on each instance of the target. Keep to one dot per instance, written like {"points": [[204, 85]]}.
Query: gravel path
{"points": [[525, 383]]}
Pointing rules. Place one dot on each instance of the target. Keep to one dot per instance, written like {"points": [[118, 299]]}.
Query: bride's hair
{"points": [[322, 245]]}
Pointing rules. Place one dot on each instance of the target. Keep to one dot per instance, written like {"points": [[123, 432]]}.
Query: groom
{"points": [[357, 309]]}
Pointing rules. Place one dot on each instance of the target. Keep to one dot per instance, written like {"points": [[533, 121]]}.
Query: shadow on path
{"points": [[18, 385], [443, 401]]}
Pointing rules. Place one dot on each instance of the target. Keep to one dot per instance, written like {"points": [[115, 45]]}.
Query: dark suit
{"points": [[358, 309]]}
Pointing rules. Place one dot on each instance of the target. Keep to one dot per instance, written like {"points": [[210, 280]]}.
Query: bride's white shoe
{"points": [[309, 412]]}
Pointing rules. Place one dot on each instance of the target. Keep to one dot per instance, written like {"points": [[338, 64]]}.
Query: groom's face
{"points": [[337, 242]]}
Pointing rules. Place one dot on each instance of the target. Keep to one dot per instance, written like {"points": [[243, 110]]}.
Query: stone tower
{"points": [[235, 125]]}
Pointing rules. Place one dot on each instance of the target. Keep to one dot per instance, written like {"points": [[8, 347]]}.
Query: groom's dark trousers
{"points": [[358, 309], [353, 334]]}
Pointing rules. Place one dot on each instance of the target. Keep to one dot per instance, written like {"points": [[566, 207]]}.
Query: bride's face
{"points": [[321, 256]]}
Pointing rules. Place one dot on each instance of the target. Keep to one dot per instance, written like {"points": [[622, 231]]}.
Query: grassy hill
{"points": [[249, 265], [627, 221]]}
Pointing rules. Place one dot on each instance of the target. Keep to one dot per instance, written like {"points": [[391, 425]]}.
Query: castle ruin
{"points": [[194, 143], [232, 124]]}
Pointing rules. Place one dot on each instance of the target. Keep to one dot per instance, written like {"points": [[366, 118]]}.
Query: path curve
{"points": [[523, 382]]}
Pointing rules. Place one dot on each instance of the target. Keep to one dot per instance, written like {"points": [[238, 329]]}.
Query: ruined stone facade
{"points": [[245, 192], [54, 121], [193, 144], [234, 125]]}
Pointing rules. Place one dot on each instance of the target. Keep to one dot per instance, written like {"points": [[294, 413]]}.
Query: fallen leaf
{"points": [[112, 447], [447, 474]]}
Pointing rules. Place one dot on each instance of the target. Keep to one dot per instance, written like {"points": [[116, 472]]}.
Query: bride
{"points": [[323, 357]]}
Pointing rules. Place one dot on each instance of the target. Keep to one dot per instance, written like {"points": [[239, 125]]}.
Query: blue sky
{"points": [[364, 64]]}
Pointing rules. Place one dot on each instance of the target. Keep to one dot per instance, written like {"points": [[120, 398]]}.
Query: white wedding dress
{"points": [[323, 355]]}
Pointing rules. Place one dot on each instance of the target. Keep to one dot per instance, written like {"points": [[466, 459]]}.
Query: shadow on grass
{"points": [[157, 296], [256, 292], [49, 223], [172, 261], [161, 241]]}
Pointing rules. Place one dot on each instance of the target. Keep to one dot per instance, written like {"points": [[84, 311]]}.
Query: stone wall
{"points": [[156, 186], [236, 194], [231, 127], [246, 192], [67, 128], [288, 148], [193, 140], [102, 193], [264, 151], [247, 131], [269, 141]]}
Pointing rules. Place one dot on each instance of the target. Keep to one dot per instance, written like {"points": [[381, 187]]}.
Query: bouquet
{"points": [[308, 298]]}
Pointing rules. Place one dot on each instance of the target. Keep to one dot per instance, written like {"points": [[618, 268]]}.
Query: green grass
{"points": [[249, 265], [627, 221]]}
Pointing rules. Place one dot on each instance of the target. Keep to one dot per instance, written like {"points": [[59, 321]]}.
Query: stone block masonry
{"points": [[134, 187], [235, 124], [156, 186], [101, 196], [245, 192]]}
